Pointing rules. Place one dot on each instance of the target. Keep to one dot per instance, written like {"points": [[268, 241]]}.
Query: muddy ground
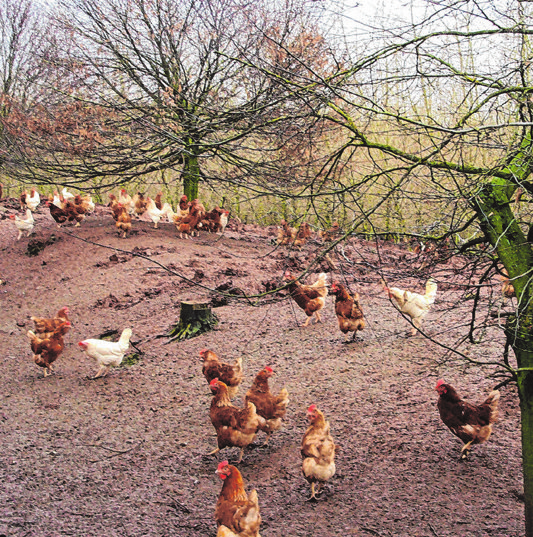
{"points": [[125, 455]]}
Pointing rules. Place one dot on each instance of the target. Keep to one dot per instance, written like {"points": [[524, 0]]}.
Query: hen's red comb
{"points": [[214, 382], [440, 382], [268, 369], [312, 408]]}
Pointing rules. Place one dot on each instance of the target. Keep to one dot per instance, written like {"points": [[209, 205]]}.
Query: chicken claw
{"points": [[313, 497], [465, 451]]}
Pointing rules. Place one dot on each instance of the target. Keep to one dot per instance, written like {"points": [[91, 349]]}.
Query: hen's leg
{"points": [[318, 318], [416, 323], [99, 372], [241, 455], [313, 493], [356, 336], [466, 450], [214, 452], [267, 438], [307, 321]]}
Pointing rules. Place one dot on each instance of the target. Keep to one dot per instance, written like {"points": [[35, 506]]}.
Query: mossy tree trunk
{"points": [[521, 337], [493, 207], [191, 175]]}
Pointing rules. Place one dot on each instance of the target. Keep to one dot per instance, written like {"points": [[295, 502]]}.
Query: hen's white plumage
{"points": [[167, 211], [414, 304], [66, 194], [89, 204], [154, 213], [57, 200], [107, 353], [24, 224], [223, 221], [33, 199], [125, 199]]}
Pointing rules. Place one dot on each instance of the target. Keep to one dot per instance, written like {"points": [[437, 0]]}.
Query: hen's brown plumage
{"points": [[471, 423], [236, 513], [139, 204], [235, 427], [57, 213], [123, 220], [188, 225], [45, 326], [318, 451], [304, 233], [230, 375], [286, 233], [271, 407], [46, 350], [348, 311], [157, 200], [310, 298], [75, 210], [213, 220]]}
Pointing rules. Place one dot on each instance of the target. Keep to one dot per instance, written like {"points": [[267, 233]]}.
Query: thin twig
{"points": [[432, 530], [115, 451], [369, 530]]}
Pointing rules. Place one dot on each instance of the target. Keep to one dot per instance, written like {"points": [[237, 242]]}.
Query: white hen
{"points": [[107, 353], [167, 211], [224, 220], [414, 304], [66, 194], [33, 199], [125, 199], [154, 213], [23, 224]]}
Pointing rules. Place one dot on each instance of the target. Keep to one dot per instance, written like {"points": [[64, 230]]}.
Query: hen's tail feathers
{"points": [[283, 398], [431, 290], [32, 336], [223, 531], [253, 415], [492, 401], [38, 359]]}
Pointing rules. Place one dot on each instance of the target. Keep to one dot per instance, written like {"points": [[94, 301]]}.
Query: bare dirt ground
{"points": [[125, 455]]}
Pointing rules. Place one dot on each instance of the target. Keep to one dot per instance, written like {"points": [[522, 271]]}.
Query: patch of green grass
{"points": [[182, 331], [131, 359]]}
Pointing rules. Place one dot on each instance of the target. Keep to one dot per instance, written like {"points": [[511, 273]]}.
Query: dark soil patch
{"points": [[125, 455]]}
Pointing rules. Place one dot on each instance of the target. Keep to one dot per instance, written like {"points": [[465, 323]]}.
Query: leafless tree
{"points": [[154, 85]]}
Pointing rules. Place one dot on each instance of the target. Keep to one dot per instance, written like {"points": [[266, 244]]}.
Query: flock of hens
{"points": [[237, 513]]}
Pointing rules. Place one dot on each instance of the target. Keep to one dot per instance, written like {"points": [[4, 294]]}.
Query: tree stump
{"points": [[195, 319], [195, 311]]}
